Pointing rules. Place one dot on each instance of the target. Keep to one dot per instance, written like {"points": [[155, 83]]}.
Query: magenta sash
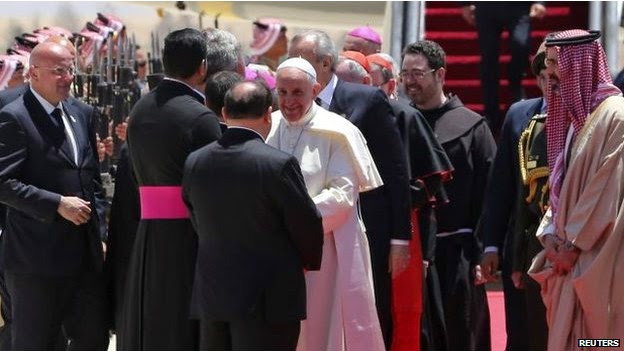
{"points": [[162, 202]]}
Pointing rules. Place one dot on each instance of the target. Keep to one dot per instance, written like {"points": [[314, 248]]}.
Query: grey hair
{"points": [[323, 45], [355, 71], [224, 51]]}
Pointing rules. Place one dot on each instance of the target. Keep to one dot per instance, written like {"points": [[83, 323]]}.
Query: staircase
{"points": [[444, 24]]}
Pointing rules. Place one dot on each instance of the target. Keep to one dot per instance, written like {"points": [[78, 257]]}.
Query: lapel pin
{"points": [[72, 118]]}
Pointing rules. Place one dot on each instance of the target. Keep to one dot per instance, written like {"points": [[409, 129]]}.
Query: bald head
{"points": [[49, 51], [248, 100], [248, 104], [51, 71], [64, 42]]}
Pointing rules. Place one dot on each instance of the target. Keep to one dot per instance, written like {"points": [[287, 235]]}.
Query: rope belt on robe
{"points": [[162, 202]]}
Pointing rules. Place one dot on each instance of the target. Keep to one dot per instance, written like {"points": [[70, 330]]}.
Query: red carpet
{"points": [[497, 320], [445, 25]]}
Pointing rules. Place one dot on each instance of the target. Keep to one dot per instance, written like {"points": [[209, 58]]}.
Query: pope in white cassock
{"points": [[336, 166]]}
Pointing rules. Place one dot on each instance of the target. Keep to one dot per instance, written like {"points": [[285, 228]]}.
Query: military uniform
{"points": [[531, 206]]}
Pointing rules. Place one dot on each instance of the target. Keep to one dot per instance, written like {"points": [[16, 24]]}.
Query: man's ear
{"points": [[202, 70], [33, 74], [316, 89], [267, 116], [327, 62], [441, 74], [224, 115]]}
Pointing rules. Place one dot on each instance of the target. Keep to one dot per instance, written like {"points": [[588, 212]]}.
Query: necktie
{"points": [[58, 118], [60, 127]]}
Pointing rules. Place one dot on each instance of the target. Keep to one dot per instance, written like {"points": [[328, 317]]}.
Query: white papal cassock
{"points": [[336, 166]]}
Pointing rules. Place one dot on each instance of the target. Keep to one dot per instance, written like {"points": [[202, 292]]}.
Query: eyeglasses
{"points": [[551, 62], [415, 74], [59, 71]]}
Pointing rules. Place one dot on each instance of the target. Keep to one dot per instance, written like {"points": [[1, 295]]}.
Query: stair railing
{"points": [[408, 25]]}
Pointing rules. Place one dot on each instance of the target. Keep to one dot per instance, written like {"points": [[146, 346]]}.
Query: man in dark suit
{"points": [[499, 219], [277, 230], [164, 127], [6, 96], [49, 180], [385, 210]]}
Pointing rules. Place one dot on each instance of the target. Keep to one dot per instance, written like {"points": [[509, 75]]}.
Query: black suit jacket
{"points": [[502, 184], [386, 209], [7, 96], [34, 173], [10, 95], [257, 229]]}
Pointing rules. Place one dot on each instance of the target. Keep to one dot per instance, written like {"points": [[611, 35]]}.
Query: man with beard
{"points": [[469, 145], [582, 231], [164, 127], [416, 291], [428, 168]]}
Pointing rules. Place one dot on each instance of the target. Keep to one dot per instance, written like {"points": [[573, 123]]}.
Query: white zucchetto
{"points": [[299, 63]]}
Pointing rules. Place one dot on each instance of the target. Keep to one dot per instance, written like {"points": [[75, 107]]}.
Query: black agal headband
{"points": [[576, 40]]}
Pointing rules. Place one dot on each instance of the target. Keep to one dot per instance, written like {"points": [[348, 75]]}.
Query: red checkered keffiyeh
{"points": [[584, 83]]}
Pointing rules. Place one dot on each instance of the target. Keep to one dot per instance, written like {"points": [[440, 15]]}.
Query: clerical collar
{"points": [[307, 117], [48, 107], [181, 82], [328, 92]]}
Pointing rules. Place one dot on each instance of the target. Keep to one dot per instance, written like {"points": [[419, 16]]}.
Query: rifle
{"points": [[154, 76]]}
